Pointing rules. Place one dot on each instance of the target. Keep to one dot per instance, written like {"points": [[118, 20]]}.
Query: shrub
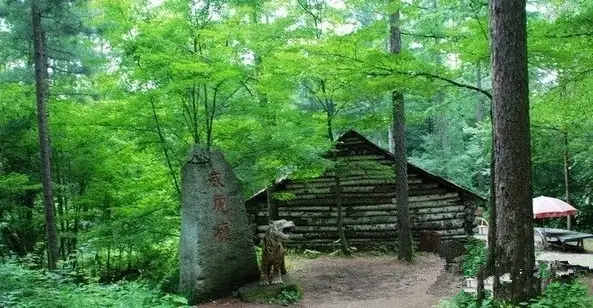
{"points": [[556, 295], [584, 220], [562, 295], [467, 300], [475, 256], [21, 287], [290, 295]]}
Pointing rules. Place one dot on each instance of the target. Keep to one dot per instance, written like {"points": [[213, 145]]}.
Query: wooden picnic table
{"points": [[560, 238]]}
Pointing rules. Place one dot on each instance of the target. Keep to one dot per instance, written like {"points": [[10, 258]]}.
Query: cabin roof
{"points": [[411, 167]]}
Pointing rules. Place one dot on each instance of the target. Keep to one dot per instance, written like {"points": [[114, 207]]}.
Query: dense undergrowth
{"points": [[556, 295], [475, 257], [21, 287]]}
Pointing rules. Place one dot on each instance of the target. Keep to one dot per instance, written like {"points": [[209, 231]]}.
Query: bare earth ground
{"points": [[367, 281]]}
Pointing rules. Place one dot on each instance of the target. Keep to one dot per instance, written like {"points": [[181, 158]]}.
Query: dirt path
{"points": [[369, 282]]}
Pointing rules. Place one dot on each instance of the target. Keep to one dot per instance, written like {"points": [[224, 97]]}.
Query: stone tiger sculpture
{"points": [[272, 265]]}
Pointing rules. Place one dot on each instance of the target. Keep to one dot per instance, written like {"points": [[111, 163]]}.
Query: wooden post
{"points": [[566, 177]]}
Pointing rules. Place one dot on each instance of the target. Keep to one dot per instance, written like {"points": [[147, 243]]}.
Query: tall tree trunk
{"points": [[330, 133], [399, 140], [41, 85], [338, 194], [129, 257], [488, 269], [164, 147], [480, 115], [27, 235], [108, 263], [512, 152], [342, 235], [12, 241], [440, 118], [567, 176], [480, 108], [61, 207], [77, 213], [62, 226]]}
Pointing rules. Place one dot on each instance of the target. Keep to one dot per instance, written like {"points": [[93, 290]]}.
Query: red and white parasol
{"points": [[546, 207]]}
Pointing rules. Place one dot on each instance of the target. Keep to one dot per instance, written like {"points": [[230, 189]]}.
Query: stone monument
{"points": [[217, 253]]}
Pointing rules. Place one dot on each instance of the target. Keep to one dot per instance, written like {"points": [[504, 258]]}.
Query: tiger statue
{"points": [[272, 265]]}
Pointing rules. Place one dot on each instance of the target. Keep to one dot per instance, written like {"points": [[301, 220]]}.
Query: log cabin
{"points": [[365, 186]]}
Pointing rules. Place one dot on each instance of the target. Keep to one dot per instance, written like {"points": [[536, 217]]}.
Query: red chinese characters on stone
{"points": [[220, 204], [222, 232], [214, 179]]}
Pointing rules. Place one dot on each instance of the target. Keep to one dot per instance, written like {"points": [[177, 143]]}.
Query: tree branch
{"points": [[453, 82], [432, 35]]}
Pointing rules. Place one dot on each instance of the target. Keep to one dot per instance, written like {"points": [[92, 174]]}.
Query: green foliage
{"points": [[281, 294], [556, 295], [138, 84], [585, 218], [562, 295], [460, 153], [544, 271], [33, 288], [474, 258], [468, 300], [288, 296], [258, 254]]}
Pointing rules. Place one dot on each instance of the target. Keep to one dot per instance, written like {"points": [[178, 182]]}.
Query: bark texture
{"points": [[512, 152], [41, 85], [480, 106], [399, 140], [567, 176], [480, 116]]}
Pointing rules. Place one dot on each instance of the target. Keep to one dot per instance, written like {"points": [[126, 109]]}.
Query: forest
{"points": [[132, 85]]}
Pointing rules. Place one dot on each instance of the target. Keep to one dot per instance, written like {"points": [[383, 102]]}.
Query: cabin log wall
{"points": [[368, 202]]}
